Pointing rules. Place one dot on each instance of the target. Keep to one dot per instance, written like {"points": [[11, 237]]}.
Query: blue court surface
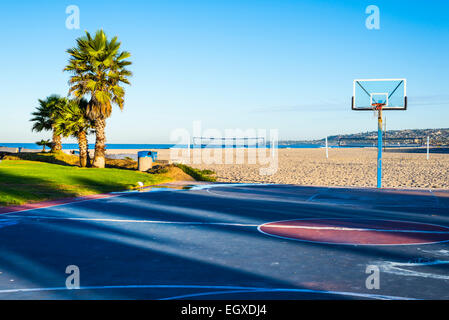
{"points": [[232, 242]]}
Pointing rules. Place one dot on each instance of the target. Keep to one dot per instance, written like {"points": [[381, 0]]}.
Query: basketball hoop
{"points": [[377, 109], [378, 106], [377, 95]]}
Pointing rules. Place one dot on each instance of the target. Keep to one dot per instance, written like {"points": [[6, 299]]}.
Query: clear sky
{"points": [[286, 65]]}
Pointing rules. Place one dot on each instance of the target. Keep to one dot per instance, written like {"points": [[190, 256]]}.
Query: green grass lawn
{"points": [[29, 181]]}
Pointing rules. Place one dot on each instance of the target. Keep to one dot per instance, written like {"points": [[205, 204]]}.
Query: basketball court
{"points": [[230, 242]]}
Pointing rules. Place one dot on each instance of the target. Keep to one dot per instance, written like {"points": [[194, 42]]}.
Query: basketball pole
{"points": [[379, 148], [377, 104], [385, 134], [327, 149]]}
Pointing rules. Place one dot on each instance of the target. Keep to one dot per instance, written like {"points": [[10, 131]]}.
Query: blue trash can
{"points": [[145, 160], [144, 154]]}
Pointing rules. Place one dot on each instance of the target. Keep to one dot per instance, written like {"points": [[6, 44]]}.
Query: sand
{"points": [[345, 167]]}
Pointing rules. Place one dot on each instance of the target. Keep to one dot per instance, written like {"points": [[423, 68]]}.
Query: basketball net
{"points": [[377, 107]]}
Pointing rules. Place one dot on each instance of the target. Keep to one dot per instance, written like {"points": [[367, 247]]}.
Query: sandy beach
{"points": [[345, 167]]}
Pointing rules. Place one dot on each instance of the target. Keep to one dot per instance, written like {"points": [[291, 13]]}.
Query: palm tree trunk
{"points": [[100, 143], [89, 163], [56, 145], [82, 143]]}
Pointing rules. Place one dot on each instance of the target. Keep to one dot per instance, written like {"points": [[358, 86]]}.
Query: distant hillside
{"points": [[438, 137]]}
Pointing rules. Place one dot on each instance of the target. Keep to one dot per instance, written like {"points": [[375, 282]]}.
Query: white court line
{"points": [[137, 221], [226, 185], [229, 289], [437, 199], [310, 199], [265, 225], [398, 268]]}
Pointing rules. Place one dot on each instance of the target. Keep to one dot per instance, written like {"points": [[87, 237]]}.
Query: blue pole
{"points": [[379, 149]]}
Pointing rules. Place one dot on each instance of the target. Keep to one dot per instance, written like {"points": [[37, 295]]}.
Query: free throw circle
{"points": [[357, 231]]}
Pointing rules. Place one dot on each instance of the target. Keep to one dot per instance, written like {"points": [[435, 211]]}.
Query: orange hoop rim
{"points": [[378, 106]]}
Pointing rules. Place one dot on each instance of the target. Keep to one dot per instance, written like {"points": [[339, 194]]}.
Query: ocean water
{"points": [[69, 146]]}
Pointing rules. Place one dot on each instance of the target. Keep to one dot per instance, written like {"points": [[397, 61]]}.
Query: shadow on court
{"points": [[206, 244]]}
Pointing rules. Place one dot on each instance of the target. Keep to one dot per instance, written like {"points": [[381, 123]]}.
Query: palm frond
{"points": [[98, 67]]}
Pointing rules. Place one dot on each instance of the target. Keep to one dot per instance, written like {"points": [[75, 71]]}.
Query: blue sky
{"points": [[286, 65]]}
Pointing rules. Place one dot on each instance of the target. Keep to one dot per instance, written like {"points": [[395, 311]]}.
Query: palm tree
{"points": [[72, 121], [43, 144], [44, 117], [98, 71]]}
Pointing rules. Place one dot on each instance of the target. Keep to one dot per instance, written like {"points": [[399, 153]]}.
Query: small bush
{"points": [[197, 174], [158, 169]]}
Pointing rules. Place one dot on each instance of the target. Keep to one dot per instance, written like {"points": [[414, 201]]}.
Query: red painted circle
{"points": [[357, 231]]}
